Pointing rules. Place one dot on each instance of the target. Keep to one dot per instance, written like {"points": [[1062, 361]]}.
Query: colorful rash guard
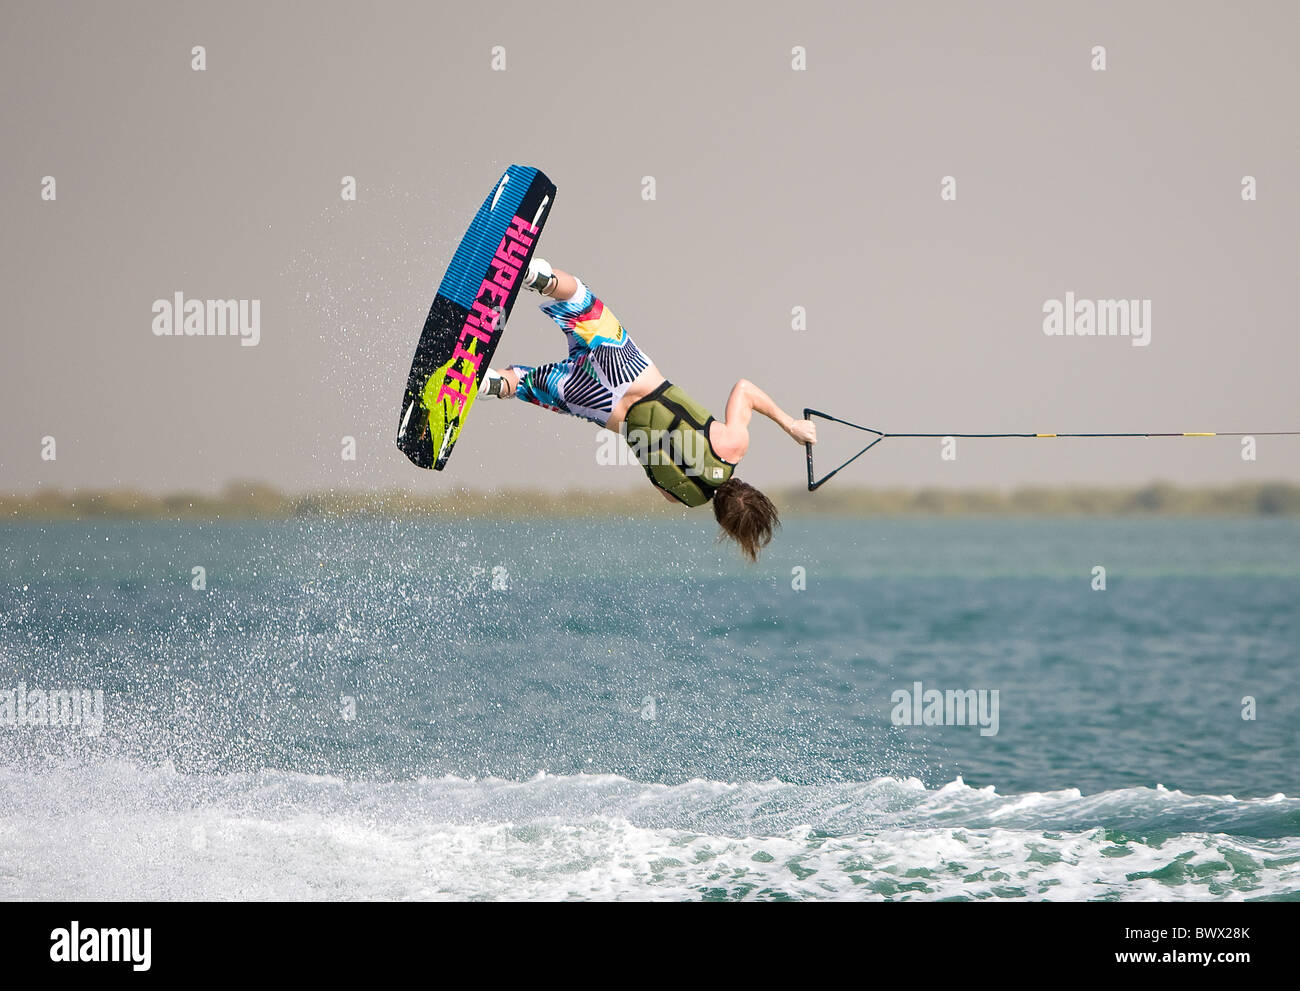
{"points": [[603, 361]]}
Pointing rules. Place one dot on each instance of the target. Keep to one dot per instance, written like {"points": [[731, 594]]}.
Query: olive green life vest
{"points": [[668, 432]]}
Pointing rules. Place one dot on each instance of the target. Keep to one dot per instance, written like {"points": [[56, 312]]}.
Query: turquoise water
{"points": [[622, 709]]}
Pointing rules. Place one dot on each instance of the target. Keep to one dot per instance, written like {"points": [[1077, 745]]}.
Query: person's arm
{"points": [[745, 400]]}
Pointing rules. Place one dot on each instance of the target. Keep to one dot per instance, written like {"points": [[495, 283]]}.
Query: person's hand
{"points": [[803, 432]]}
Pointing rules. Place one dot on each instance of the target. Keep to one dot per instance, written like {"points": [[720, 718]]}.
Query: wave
{"points": [[115, 831]]}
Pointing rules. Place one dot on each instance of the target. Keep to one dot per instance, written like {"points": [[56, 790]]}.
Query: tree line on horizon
{"points": [[253, 500]]}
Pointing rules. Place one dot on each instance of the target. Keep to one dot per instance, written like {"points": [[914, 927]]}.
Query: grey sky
{"points": [[775, 188]]}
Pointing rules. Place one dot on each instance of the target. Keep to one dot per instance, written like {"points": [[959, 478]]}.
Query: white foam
{"points": [[118, 832]]}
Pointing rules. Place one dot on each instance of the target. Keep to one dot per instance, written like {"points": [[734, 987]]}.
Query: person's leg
{"points": [[546, 281], [586, 321], [541, 386], [566, 285], [510, 376], [573, 308], [556, 286], [594, 335]]}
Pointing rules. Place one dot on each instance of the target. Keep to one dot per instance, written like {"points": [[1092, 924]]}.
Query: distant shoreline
{"points": [[251, 501]]}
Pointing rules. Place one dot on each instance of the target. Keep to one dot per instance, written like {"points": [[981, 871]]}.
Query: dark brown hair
{"points": [[745, 515]]}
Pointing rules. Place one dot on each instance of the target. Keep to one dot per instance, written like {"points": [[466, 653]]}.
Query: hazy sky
{"points": [[775, 188]]}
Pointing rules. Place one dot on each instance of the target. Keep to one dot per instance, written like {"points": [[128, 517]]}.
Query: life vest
{"points": [[668, 432]]}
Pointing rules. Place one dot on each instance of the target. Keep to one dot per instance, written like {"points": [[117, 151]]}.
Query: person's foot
{"points": [[495, 385], [540, 277]]}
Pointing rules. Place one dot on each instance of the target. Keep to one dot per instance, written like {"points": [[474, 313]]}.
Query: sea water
{"points": [[328, 708]]}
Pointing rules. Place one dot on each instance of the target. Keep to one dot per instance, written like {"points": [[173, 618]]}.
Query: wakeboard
{"points": [[469, 314]]}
